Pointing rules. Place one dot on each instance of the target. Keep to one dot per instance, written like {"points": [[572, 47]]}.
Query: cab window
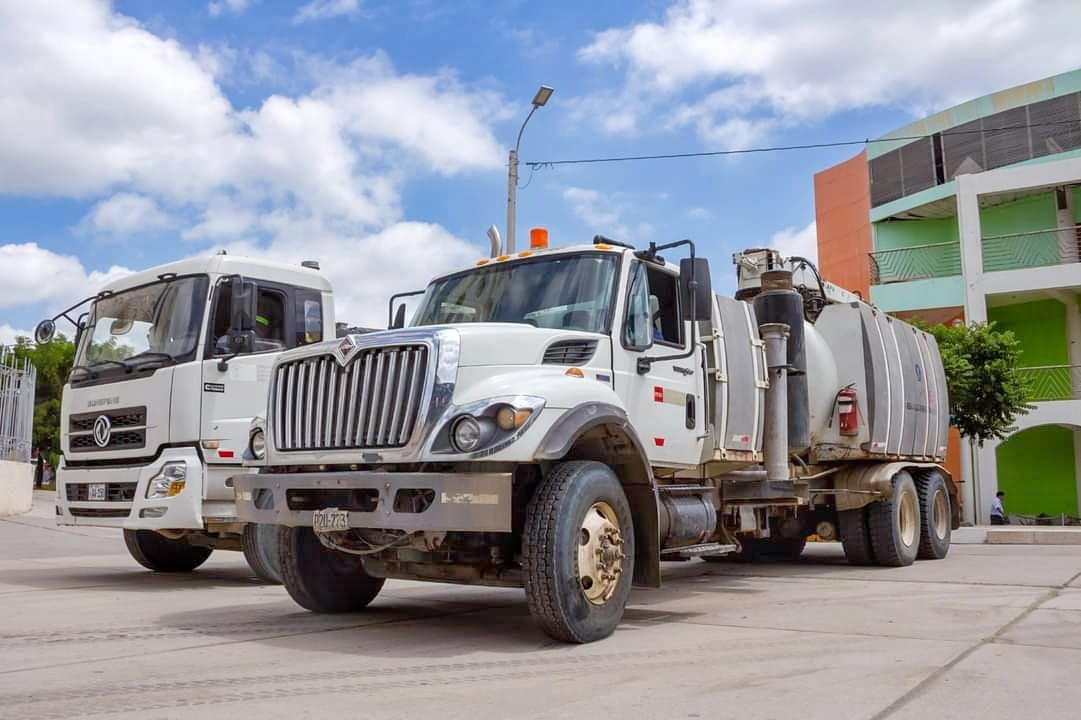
{"points": [[269, 319], [664, 311], [637, 331], [309, 317]]}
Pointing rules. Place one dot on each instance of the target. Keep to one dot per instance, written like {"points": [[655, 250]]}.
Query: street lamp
{"points": [[539, 101]]}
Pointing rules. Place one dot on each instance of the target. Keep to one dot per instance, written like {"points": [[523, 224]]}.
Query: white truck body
{"points": [[364, 436], [122, 425]]}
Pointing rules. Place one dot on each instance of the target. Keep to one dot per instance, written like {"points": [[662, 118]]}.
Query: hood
{"points": [[491, 344]]}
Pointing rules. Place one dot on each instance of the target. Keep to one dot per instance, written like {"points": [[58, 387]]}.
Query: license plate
{"points": [[330, 520], [96, 492]]}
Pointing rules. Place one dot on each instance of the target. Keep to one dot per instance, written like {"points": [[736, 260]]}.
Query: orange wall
{"points": [[842, 215]]}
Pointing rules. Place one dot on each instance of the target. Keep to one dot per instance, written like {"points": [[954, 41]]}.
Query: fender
{"points": [[603, 432]]}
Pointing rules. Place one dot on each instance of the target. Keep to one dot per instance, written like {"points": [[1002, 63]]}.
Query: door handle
{"points": [[690, 412]]}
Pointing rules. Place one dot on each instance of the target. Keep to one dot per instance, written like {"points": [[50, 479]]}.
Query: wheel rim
{"points": [[940, 511], [909, 519], [600, 553]]}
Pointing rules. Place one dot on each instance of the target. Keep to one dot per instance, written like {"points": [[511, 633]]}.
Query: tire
{"points": [[578, 507], [160, 554], [935, 516], [320, 579], [855, 537], [260, 546], [894, 524]]}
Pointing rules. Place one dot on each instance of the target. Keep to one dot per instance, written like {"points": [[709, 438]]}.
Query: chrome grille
{"points": [[372, 402]]}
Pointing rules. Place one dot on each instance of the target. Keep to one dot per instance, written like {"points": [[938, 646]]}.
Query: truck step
{"points": [[690, 551], [693, 489]]}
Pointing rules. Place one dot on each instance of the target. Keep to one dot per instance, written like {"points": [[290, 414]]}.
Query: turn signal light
{"points": [[538, 238], [575, 372]]}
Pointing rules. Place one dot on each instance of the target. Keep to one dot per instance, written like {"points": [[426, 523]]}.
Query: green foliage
{"points": [[53, 362], [987, 392]]}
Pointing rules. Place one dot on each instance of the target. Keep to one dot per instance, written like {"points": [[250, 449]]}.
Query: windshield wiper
{"points": [[135, 361], [90, 373]]}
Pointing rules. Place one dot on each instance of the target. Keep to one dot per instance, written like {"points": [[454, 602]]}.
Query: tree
{"points": [[987, 392], [53, 361]]}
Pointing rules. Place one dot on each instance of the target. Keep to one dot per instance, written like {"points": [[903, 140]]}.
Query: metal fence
{"points": [[916, 262], [17, 379], [1052, 382], [1035, 248]]}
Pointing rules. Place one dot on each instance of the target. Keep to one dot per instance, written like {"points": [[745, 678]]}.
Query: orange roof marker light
{"points": [[482, 261], [538, 238]]}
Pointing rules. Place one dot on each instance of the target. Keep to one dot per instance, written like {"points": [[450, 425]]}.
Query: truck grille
{"points": [[127, 430], [114, 492], [372, 402]]}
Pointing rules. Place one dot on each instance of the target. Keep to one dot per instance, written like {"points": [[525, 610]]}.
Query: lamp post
{"points": [[539, 100]]}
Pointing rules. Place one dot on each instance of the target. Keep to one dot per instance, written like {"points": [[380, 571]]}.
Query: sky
{"points": [[372, 134]]}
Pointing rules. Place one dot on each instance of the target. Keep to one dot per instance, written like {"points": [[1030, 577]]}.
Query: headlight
{"points": [[257, 444], [465, 434], [169, 481]]}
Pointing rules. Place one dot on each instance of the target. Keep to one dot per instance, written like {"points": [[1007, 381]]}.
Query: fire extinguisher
{"points": [[847, 411]]}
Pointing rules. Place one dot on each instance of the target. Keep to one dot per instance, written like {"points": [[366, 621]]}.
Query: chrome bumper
{"points": [[465, 502]]}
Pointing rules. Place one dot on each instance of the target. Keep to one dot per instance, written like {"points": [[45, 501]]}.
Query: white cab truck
{"points": [[564, 420], [171, 365]]}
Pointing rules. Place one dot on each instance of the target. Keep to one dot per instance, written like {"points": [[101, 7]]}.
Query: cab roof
{"points": [[255, 268]]}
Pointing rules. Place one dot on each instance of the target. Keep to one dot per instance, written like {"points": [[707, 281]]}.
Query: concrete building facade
{"points": [[974, 214]]}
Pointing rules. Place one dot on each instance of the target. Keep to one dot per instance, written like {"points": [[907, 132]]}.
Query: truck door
{"points": [[285, 318], [664, 402]]}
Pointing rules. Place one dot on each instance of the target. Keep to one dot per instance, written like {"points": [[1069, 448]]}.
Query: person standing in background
{"points": [[998, 512]]}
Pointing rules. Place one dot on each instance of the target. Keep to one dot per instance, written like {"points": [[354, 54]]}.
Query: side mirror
{"points": [[701, 293], [44, 332], [243, 297], [399, 318]]}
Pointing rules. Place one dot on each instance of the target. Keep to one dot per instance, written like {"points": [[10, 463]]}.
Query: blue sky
{"points": [[372, 134]]}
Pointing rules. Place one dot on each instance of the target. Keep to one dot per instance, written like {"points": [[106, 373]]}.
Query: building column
{"points": [[1077, 465], [971, 236], [970, 501], [987, 483]]}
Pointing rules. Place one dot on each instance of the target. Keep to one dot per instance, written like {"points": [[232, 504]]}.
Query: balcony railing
{"points": [[915, 263], [1035, 248], [1052, 382]]}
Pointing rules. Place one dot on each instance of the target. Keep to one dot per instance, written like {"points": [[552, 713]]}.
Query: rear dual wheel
{"points": [[914, 523]]}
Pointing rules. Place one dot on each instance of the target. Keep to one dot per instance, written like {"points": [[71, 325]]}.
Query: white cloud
{"points": [[220, 7], [324, 9], [99, 107], [699, 213], [708, 62], [366, 270], [126, 213], [797, 241], [601, 212], [46, 276], [8, 334]]}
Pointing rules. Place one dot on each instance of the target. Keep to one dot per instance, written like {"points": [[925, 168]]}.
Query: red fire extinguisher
{"points": [[847, 412]]}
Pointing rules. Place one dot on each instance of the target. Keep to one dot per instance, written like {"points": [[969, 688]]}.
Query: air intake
{"points": [[570, 352]]}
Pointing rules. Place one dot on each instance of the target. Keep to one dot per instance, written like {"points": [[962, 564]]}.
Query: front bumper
{"points": [[126, 488], [466, 502]]}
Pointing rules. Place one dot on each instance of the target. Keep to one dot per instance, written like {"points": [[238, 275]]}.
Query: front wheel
{"points": [[320, 579], [578, 552], [160, 554], [260, 546]]}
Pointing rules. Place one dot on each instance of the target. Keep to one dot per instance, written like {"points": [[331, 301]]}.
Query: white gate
{"points": [[17, 379]]}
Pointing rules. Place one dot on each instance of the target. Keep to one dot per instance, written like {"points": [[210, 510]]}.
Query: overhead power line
{"points": [[536, 164]]}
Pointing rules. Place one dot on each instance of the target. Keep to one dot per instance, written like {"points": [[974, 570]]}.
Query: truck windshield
{"points": [[565, 292], [146, 326]]}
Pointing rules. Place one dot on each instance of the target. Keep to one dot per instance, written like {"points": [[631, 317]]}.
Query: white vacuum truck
{"points": [[171, 364], [565, 419]]}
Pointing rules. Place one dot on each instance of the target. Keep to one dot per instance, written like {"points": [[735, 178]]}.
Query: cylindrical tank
{"points": [[822, 384], [686, 520], [779, 303]]}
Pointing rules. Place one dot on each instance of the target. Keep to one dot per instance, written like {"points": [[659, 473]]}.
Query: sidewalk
{"points": [[1017, 535]]}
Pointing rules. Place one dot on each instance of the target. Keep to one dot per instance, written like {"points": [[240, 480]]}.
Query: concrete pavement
{"points": [[990, 632]]}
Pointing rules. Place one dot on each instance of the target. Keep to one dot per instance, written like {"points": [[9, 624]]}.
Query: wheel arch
{"points": [[602, 432]]}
